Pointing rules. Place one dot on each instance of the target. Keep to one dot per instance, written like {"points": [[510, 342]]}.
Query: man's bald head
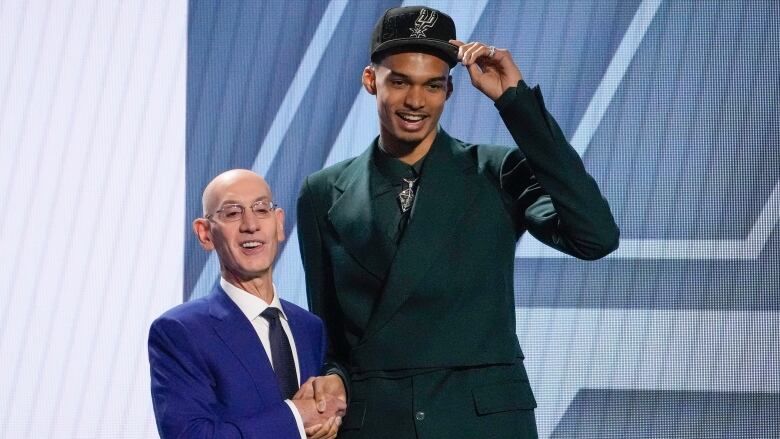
{"points": [[246, 239], [220, 186]]}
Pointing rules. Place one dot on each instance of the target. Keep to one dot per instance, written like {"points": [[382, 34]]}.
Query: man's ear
{"points": [[279, 224], [450, 88], [369, 79], [202, 229]]}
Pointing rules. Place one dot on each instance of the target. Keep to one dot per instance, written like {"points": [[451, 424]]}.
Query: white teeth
{"points": [[252, 244], [411, 117]]}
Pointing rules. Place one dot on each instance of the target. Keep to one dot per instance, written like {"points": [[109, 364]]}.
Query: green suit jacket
{"points": [[427, 330]]}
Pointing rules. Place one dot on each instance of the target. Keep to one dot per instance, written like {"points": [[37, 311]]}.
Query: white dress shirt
{"points": [[252, 306]]}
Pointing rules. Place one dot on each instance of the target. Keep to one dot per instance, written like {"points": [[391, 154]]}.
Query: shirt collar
{"points": [[250, 305], [394, 169]]}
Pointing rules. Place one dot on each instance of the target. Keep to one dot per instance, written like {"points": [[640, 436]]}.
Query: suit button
{"points": [[419, 416]]}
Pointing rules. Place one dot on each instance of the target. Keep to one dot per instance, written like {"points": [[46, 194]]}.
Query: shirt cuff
{"points": [[298, 419]]}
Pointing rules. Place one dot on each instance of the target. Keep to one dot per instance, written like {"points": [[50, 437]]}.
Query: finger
{"points": [[341, 390], [462, 47], [481, 56], [471, 47], [475, 73], [467, 50], [306, 391], [342, 409], [458, 44], [320, 395], [326, 429], [504, 57], [321, 432], [473, 53], [334, 430], [312, 430], [301, 393]]}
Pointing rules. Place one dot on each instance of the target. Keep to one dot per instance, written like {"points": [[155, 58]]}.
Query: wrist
{"points": [[510, 94]]}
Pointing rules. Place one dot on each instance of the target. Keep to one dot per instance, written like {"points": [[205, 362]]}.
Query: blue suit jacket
{"points": [[211, 377]]}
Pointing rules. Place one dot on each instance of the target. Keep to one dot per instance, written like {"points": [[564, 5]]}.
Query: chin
{"points": [[415, 137], [253, 271]]}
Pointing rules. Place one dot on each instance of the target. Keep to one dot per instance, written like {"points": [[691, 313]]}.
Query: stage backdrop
{"points": [[674, 109], [114, 115]]}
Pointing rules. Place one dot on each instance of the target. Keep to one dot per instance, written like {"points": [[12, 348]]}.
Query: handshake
{"points": [[321, 402]]}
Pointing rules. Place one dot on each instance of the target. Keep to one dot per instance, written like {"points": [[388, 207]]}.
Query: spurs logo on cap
{"points": [[414, 29], [425, 21]]}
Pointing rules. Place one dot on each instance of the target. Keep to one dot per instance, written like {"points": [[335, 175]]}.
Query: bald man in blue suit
{"points": [[229, 364]]}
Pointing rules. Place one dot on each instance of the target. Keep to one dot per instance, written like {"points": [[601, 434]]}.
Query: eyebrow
{"points": [[260, 198]]}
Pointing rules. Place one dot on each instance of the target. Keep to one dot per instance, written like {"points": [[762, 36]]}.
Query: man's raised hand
{"points": [[492, 70]]}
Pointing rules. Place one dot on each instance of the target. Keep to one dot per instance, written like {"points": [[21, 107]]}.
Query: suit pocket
{"points": [[356, 411], [503, 397]]}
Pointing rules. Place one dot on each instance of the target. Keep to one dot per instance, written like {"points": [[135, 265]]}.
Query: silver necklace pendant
{"points": [[406, 196]]}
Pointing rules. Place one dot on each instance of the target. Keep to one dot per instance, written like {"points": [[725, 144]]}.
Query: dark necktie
{"points": [[281, 353]]}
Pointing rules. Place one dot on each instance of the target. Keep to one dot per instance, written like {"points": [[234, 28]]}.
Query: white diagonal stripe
{"points": [[614, 75], [766, 222], [692, 249], [705, 249], [284, 116], [568, 349]]}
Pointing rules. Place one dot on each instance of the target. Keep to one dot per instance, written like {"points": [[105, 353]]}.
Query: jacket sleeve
{"points": [[320, 288], [185, 404], [560, 203]]}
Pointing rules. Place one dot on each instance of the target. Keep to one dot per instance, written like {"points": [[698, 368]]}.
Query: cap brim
{"points": [[442, 49]]}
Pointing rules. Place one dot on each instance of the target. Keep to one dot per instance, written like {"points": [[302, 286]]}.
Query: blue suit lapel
{"points": [[239, 335]]}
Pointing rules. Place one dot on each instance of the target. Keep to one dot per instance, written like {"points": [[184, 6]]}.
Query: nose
{"points": [[415, 99], [249, 222]]}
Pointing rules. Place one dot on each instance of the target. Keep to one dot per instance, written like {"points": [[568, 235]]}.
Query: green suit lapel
{"points": [[353, 219], [448, 188]]}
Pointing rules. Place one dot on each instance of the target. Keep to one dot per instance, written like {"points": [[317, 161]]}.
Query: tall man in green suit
{"points": [[409, 247]]}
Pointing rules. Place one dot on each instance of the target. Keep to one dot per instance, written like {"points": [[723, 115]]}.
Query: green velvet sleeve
{"points": [[560, 203]]}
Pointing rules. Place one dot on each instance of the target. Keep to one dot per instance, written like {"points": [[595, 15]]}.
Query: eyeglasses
{"points": [[234, 212]]}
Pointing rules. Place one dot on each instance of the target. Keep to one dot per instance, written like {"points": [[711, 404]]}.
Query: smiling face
{"points": [[246, 247], [410, 89]]}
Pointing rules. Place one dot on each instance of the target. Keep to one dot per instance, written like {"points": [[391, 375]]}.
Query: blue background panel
{"points": [[674, 109], [623, 414]]}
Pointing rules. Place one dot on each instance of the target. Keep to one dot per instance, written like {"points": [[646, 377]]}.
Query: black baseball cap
{"points": [[414, 29]]}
